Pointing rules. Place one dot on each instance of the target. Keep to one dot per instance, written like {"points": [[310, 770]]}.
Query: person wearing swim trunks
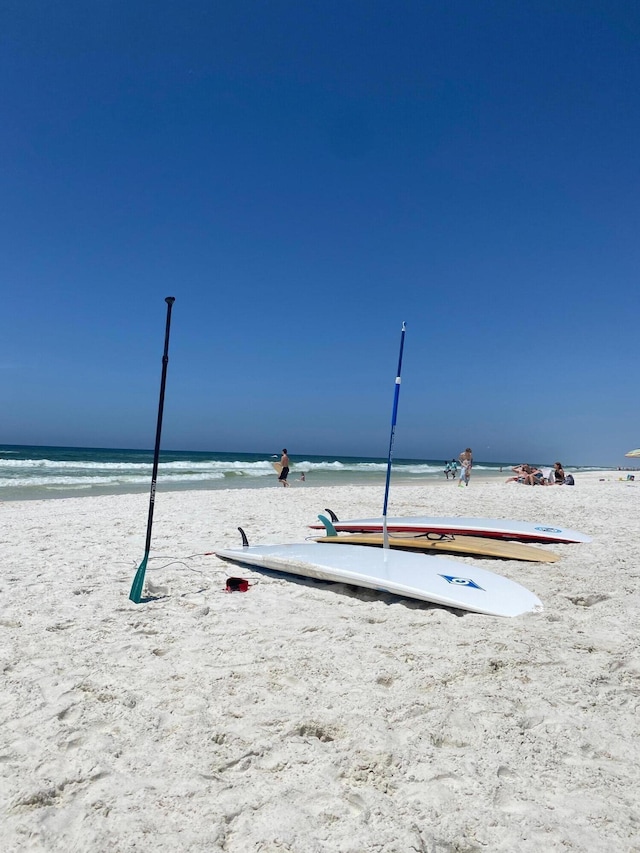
{"points": [[466, 462], [284, 461]]}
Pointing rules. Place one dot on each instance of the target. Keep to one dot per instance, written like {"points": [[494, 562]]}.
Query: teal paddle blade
{"points": [[138, 582]]}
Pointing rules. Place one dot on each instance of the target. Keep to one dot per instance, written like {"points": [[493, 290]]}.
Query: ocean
{"points": [[34, 473]]}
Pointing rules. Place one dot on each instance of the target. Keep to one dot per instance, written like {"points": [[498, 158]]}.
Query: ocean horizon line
{"points": [[293, 455]]}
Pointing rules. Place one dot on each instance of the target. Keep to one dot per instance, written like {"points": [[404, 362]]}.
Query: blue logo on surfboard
{"points": [[456, 581], [548, 529]]}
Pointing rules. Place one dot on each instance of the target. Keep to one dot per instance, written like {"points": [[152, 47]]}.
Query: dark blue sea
{"points": [[28, 473], [55, 472]]}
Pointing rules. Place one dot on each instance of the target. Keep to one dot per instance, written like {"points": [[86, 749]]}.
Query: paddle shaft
{"points": [[136, 588], [394, 415]]}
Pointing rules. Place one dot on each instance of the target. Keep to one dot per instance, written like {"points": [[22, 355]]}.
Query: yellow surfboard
{"points": [[278, 467], [471, 545]]}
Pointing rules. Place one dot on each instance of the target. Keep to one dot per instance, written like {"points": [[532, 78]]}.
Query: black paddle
{"points": [[138, 582]]}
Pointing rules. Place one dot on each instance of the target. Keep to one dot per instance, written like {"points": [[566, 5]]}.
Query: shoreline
{"points": [[347, 480]]}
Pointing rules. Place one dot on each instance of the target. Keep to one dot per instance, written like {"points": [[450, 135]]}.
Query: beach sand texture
{"points": [[311, 718]]}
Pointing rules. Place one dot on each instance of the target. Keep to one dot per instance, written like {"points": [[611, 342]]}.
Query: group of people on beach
{"points": [[465, 461], [523, 473], [532, 476]]}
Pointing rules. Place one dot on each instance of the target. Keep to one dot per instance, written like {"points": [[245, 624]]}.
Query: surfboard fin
{"points": [[245, 541], [331, 531], [332, 514]]}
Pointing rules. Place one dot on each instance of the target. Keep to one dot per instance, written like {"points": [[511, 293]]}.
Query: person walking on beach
{"points": [[284, 473], [451, 468], [466, 462]]}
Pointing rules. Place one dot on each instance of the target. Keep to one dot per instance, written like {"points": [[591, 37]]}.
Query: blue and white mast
{"points": [[394, 414]]}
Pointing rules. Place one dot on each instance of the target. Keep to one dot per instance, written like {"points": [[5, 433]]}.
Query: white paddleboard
{"points": [[434, 579], [500, 528]]}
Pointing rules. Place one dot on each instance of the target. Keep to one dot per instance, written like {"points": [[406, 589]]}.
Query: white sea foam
{"points": [[31, 464], [74, 482]]}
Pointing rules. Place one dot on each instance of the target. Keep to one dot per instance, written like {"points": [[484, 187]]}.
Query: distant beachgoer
{"points": [[447, 470], [536, 477], [284, 461], [453, 467], [558, 474], [517, 470], [466, 463], [521, 472], [302, 477]]}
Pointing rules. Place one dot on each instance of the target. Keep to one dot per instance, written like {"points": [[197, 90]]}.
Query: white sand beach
{"points": [[314, 718]]}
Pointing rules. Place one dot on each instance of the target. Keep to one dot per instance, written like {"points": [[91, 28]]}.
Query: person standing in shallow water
{"points": [[466, 463], [284, 461]]}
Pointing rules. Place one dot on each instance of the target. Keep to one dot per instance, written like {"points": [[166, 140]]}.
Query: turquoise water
{"points": [[28, 473]]}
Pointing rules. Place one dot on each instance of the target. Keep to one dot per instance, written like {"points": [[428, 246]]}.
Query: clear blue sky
{"points": [[303, 177]]}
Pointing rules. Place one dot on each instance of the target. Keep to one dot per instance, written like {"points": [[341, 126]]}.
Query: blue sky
{"points": [[303, 177]]}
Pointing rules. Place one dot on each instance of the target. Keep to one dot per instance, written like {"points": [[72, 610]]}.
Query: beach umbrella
{"points": [[633, 453]]}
